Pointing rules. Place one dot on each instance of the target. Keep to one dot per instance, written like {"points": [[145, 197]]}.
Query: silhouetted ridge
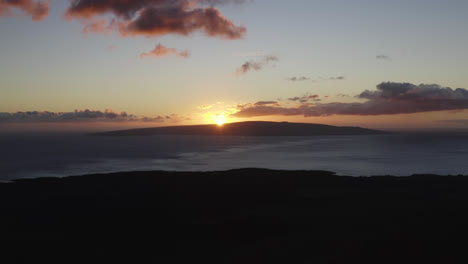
{"points": [[254, 128], [237, 216]]}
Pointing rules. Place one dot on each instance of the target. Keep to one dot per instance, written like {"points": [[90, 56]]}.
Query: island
{"points": [[250, 128]]}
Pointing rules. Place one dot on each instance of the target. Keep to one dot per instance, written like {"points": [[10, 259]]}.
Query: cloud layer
{"points": [[38, 10], [156, 17], [76, 116], [161, 51], [389, 99]]}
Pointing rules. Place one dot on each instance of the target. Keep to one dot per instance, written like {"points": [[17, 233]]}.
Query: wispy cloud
{"points": [[298, 79], [343, 95], [383, 57], [266, 103], [255, 65], [388, 99], [338, 78], [304, 78], [306, 98], [205, 107], [161, 51]]}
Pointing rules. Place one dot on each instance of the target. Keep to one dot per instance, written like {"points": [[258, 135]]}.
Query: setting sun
{"points": [[219, 119]]}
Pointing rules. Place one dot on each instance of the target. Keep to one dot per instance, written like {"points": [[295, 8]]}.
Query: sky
{"points": [[101, 63]]}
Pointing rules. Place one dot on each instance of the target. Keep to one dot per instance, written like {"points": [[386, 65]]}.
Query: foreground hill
{"points": [[254, 128], [239, 216]]}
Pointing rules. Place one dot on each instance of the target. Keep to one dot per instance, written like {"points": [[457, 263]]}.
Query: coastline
{"points": [[238, 216]]}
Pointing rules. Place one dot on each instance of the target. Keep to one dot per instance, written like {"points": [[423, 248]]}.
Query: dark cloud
{"points": [[389, 99], [266, 103], [256, 65], [38, 10], [157, 17], [76, 116], [161, 51]]}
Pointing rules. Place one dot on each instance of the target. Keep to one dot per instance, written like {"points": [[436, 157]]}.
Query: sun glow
{"points": [[219, 119]]}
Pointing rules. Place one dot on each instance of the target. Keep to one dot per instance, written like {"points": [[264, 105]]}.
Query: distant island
{"points": [[252, 128]]}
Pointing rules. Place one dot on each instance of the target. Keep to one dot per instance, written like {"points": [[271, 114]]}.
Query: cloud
{"points": [[162, 50], [255, 65], [343, 95], [38, 10], [205, 107], [76, 116], [383, 57], [304, 78], [266, 103], [157, 17], [298, 79], [96, 26], [389, 99], [338, 78], [305, 98]]}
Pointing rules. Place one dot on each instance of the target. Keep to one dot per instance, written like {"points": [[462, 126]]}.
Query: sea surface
{"points": [[31, 155]]}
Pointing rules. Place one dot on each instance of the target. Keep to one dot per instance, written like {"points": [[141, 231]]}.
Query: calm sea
{"points": [[42, 155]]}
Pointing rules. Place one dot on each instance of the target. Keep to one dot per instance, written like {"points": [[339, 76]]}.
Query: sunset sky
{"points": [[100, 63]]}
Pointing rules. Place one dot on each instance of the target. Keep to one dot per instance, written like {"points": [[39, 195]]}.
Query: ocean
{"points": [[30, 155]]}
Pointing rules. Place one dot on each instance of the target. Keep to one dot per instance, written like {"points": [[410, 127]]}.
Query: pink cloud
{"points": [[38, 10], [161, 51]]}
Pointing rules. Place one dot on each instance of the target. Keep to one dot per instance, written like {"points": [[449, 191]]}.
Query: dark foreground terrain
{"points": [[239, 216]]}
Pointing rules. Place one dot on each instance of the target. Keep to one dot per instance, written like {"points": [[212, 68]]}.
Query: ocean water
{"points": [[43, 155]]}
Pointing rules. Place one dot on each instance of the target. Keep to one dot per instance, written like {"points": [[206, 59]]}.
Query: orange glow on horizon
{"points": [[219, 119]]}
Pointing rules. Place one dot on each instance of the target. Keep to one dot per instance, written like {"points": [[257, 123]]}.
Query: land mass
{"points": [[237, 216], [253, 128]]}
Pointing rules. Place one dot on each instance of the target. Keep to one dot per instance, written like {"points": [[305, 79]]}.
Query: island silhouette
{"points": [[250, 128]]}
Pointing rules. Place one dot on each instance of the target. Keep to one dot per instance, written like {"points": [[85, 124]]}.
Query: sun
{"points": [[219, 119]]}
